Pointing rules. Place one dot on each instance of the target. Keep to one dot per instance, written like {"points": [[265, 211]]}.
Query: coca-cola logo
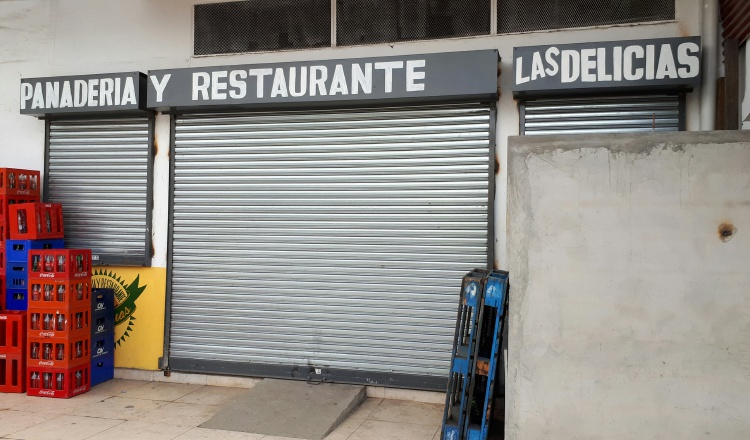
{"points": [[2, 355], [47, 363], [79, 389], [47, 275], [81, 274], [46, 393], [22, 192], [3, 318], [47, 334]]}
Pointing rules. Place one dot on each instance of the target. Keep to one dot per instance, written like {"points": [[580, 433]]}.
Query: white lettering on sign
{"points": [[634, 62], [299, 81], [79, 93]]}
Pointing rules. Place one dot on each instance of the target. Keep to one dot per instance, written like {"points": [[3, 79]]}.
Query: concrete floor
{"points": [[142, 410]]}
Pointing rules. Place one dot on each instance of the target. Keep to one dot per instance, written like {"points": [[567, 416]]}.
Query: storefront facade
{"points": [[311, 212]]}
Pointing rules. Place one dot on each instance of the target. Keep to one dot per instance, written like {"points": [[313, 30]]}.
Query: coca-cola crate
{"points": [[2, 257], [102, 369], [2, 293], [16, 181], [33, 221], [15, 299], [12, 370], [58, 382], [56, 294], [12, 332], [5, 202], [102, 345], [60, 323], [16, 275], [58, 352], [18, 250], [62, 264]]}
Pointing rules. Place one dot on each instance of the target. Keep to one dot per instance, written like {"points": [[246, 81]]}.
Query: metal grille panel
{"points": [[98, 170], [382, 21], [260, 25], [602, 115], [334, 239], [525, 16]]}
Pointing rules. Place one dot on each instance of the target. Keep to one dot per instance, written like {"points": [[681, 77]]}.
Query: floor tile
{"points": [[13, 421], [10, 400], [273, 437], [378, 430], [211, 395], [140, 430], [365, 408], [162, 391], [57, 406], [116, 387], [408, 412], [181, 414], [123, 408], [345, 429], [217, 434], [66, 427]]}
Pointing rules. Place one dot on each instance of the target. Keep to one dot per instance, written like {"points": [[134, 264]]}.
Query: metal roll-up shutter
{"points": [[99, 170], [618, 114], [332, 239]]}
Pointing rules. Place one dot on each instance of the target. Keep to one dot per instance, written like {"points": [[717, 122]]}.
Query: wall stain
{"points": [[726, 231]]}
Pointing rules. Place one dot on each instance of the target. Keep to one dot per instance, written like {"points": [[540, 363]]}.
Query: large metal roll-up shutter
{"points": [[99, 170], [330, 239], [601, 114]]}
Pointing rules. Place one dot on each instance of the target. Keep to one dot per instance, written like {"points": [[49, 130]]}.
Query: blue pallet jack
{"points": [[476, 351]]}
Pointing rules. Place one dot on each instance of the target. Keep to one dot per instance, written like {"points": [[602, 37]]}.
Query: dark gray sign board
{"points": [[81, 94], [439, 76], [665, 63]]}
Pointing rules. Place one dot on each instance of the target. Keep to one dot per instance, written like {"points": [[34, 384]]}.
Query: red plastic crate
{"points": [[60, 323], [16, 181], [58, 352], [34, 221], [61, 383], [2, 293], [2, 256], [59, 294], [5, 202], [12, 370], [62, 264], [12, 332]]}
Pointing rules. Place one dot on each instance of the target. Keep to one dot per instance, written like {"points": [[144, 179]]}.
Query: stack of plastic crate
{"points": [[31, 226], [102, 335], [59, 322], [16, 186]]}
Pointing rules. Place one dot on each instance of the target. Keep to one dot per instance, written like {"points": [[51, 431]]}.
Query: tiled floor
{"points": [[131, 409]]}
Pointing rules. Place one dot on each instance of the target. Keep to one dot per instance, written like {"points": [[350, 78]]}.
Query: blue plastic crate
{"points": [[102, 323], [17, 275], [102, 345], [102, 300], [102, 369], [18, 250], [16, 299]]}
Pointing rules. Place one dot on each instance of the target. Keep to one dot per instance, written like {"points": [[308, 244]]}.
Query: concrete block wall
{"points": [[629, 312]]}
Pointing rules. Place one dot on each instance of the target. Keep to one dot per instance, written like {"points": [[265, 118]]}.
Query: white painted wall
{"points": [[68, 37], [629, 315]]}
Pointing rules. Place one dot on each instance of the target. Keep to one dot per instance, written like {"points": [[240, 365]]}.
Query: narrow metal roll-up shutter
{"points": [[600, 114], [332, 239], [99, 170]]}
